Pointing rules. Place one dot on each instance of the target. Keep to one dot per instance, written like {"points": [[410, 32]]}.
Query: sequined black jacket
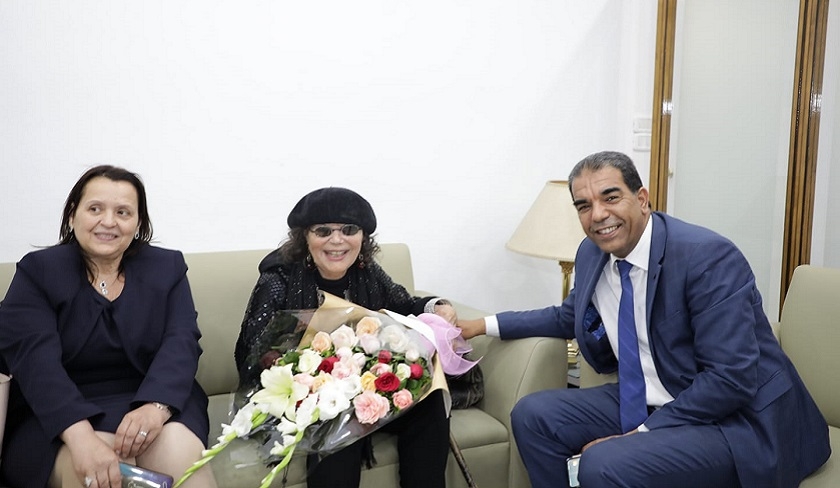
{"points": [[292, 286]]}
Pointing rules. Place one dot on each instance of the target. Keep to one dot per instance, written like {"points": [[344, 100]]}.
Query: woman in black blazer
{"points": [[99, 333]]}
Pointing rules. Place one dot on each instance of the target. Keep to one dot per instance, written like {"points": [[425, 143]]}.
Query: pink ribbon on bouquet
{"points": [[450, 344]]}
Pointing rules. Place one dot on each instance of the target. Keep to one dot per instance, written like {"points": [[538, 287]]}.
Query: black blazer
{"points": [[46, 319]]}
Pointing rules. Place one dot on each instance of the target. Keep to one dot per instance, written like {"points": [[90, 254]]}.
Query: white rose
{"points": [[344, 352], [343, 337], [395, 338], [309, 361], [360, 359], [412, 355], [403, 371], [370, 343]]}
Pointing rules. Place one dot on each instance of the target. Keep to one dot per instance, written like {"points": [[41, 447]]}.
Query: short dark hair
{"points": [[603, 159], [113, 173]]}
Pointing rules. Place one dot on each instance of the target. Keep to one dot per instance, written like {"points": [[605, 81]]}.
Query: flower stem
{"points": [[205, 458], [266, 482]]}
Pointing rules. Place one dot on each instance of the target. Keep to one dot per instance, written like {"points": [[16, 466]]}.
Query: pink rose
{"points": [[370, 407], [380, 368], [402, 399], [304, 379], [341, 370]]}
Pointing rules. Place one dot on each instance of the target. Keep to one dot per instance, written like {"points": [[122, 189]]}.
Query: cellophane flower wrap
{"points": [[353, 371]]}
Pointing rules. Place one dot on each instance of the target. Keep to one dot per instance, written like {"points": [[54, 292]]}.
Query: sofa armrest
{"points": [[515, 368]]}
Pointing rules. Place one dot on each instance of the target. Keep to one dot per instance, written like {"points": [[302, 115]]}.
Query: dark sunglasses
{"points": [[326, 231]]}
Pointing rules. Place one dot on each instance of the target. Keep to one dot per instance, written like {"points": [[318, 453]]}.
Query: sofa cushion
{"points": [[828, 476]]}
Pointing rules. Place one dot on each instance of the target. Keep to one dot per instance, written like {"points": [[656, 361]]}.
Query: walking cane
{"points": [[462, 463]]}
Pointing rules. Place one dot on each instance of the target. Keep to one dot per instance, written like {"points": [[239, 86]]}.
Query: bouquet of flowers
{"points": [[353, 371]]}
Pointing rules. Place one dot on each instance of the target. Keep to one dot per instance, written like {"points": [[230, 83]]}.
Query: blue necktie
{"points": [[631, 380]]}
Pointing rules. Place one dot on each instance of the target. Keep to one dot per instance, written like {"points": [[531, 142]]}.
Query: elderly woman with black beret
{"points": [[330, 248]]}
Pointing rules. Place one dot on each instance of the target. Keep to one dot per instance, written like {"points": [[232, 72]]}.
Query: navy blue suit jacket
{"points": [[713, 348], [46, 318]]}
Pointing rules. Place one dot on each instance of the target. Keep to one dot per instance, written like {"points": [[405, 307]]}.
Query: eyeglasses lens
{"points": [[326, 231]]}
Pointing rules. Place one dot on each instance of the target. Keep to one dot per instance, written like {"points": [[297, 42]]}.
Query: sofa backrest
{"points": [[221, 284], [7, 271], [810, 334]]}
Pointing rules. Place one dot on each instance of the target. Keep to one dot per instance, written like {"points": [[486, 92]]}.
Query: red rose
{"points": [[388, 382], [416, 371], [327, 364], [385, 356], [269, 359]]}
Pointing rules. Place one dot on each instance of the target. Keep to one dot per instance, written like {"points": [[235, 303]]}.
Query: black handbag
{"points": [[466, 389]]}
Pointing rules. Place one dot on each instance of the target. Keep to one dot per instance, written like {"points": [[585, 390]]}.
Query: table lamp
{"points": [[551, 229]]}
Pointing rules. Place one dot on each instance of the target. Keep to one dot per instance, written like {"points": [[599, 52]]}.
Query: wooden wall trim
{"points": [[804, 138], [663, 83]]}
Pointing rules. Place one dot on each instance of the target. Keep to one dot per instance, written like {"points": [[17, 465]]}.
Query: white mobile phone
{"points": [[572, 464]]}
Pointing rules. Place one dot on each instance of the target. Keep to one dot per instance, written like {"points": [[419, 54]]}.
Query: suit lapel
{"points": [[657, 252], [589, 278]]}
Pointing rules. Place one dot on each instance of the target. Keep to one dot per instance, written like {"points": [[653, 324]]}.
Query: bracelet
{"points": [[162, 406], [430, 305]]}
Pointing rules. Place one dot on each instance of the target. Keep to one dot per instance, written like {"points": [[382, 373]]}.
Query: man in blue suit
{"points": [[719, 402]]}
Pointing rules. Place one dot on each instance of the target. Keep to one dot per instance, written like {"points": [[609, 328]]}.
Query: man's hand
{"points": [[602, 439], [472, 328]]}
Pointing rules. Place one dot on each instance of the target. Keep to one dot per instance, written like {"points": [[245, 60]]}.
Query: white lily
{"points": [[279, 390]]}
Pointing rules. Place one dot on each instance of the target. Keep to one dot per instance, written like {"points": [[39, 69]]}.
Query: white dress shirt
{"points": [[606, 300]]}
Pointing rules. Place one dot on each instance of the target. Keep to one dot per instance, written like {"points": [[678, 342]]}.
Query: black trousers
{"points": [[422, 443]]}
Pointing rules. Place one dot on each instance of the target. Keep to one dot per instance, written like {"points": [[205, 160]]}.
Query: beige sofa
{"points": [[221, 284], [809, 332]]}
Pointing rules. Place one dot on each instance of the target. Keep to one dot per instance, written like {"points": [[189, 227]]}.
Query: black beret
{"points": [[333, 205]]}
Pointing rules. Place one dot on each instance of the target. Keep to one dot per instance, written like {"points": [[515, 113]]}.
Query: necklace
{"points": [[103, 286]]}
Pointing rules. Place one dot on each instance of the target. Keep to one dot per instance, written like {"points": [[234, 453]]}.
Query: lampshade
{"points": [[551, 228]]}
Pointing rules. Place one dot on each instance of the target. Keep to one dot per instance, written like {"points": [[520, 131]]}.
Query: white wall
{"points": [[826, 231], [447, 116]]}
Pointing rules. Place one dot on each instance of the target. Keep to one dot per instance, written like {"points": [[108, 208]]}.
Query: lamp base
{"points": [[568, 267]]}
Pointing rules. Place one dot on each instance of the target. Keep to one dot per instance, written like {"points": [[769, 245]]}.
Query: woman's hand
{"points": [[95, 463], [447, 311], [138, 429]]}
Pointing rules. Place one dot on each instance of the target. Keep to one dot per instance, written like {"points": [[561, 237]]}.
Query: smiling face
{"points": [[333, 255], [106, 219], [611, 215]]}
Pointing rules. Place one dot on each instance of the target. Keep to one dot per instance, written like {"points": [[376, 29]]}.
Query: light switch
{"points": [[641, 142], [642, 125]]}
